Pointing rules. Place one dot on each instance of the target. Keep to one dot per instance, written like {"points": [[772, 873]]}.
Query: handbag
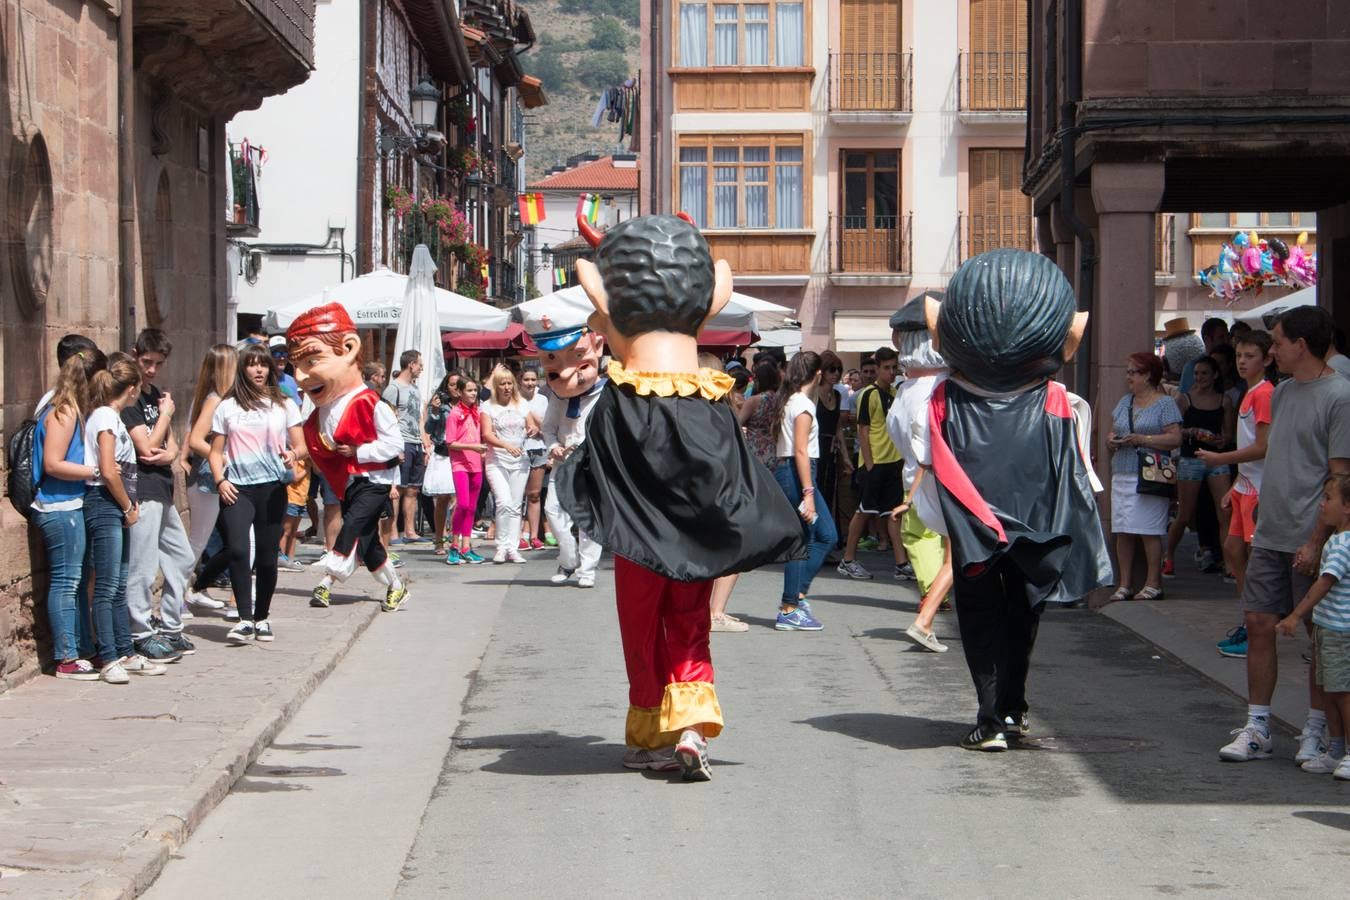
{"points": [[1157, 471]]}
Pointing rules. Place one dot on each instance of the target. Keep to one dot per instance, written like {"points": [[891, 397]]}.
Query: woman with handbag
{"points": [[1146, 428]]}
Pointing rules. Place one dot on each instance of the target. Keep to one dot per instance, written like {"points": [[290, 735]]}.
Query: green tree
{"points": [[627, 10], [547, 66], [607, 34], [601, 70]]}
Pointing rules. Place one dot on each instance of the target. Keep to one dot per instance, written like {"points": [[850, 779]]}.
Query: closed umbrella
{"points": [[418, 327]]}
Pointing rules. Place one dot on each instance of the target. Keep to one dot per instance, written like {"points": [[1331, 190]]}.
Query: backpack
{"points": [[21, 481]]}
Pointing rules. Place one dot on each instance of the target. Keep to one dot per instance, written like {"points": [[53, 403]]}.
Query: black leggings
{"points": [[260, 507]]}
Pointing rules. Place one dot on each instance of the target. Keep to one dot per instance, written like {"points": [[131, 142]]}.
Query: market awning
{"points": [[720, 341], [476, 344]]}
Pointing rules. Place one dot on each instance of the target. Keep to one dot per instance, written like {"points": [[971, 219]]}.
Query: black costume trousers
{"points": [[998, 631], [362, 504]]}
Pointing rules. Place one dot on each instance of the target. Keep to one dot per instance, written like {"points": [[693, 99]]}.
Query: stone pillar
{"points": [[1333, 262]]}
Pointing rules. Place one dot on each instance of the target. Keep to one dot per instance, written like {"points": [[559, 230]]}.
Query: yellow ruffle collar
{"points": [[710, 383]]}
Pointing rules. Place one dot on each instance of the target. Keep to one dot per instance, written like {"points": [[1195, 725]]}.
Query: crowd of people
{"points": [[1246, 431]]}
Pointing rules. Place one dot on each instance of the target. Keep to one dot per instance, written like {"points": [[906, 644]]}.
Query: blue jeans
{"points": [[820, 536], [107, 553], [67, 605]]}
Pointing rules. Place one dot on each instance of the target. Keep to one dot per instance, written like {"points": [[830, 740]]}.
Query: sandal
{"points": [[1122, 593], [1149, 593]]}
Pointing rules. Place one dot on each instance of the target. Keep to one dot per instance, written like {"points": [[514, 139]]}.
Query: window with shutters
{"points": [[868, 71], [994, 69], [751, 34], [871, 234], [998, 214], [743, 181]]}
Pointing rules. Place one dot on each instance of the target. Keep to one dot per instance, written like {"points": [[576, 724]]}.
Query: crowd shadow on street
{"points": [[1325, 817], [890, 730], [550, 754]]}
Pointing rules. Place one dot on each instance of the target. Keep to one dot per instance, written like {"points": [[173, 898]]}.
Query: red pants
{"points": [[665, 626]]}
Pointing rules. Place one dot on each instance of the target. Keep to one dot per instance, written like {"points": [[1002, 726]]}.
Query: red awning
{"points": [[716, 341], [476, 344]]}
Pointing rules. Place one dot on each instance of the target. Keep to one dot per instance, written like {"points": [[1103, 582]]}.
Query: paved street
{"points": [[469, 746]]}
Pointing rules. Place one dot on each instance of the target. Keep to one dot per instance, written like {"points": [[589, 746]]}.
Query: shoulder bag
{"points": [[1157, 471]]}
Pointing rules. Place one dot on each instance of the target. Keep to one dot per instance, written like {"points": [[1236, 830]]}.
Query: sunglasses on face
{"points": [[834, 370]]}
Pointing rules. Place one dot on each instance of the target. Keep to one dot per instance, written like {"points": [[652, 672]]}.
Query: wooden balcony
{"points": [[870, 250], [767, 256], [982, 233], [747, 88], [993, 86], [871, 87]]}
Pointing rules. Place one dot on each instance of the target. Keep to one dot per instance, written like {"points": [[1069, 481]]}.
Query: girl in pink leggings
{"points": [[464, 437]]}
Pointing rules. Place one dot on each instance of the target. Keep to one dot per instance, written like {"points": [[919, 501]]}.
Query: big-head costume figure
{"points": [[570, 353], [355, 444], [664, 479], [1014, 487]]}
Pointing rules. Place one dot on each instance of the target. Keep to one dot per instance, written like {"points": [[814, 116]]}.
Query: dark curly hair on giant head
{"points": [[658, 273], [1005, 319]]}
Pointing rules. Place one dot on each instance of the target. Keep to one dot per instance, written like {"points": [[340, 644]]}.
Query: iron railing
{"points": [[871, 244], [871, 82], [981, 233], [244, 217], [994, 81]]}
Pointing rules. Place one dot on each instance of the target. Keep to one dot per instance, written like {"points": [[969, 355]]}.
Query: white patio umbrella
{"points": [[571, 306], [418, 328], [1257, 317], [375, 300]]}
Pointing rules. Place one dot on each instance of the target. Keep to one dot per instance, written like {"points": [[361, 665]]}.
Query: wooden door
{"points": [[869, 227], [868, 69], [996, 71], [999, 213]]}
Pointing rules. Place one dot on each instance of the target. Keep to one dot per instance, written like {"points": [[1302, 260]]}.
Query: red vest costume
{"points": [[356, 427]]}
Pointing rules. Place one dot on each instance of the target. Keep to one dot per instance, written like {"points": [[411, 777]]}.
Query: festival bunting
{"points": [[588, 205], [531, 208]]}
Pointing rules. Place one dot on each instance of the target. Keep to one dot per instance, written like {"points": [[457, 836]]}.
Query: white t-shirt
{"points": [[105, 418], [538, 405], [845, 397], [907, 424], [797, 404], [508, 422], [255, 440]]}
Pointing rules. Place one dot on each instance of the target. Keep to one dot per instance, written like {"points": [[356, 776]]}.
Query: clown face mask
{"points": [[326, 353], [572, 371]]}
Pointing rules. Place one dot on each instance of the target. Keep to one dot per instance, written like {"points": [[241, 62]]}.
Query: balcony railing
{"points": [[871, 244], [981, 233], [1164, 244], [871, 82], [243, 219], [993, 81]]}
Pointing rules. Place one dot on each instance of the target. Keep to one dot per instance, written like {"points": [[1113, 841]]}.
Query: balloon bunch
{"points": [[1250, 262]]}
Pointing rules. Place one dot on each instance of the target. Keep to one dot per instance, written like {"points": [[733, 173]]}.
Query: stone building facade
{"points": [[112, 194]]}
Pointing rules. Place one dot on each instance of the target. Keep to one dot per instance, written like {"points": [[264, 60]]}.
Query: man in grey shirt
{"points": [[403, 396], [1309, 439]]}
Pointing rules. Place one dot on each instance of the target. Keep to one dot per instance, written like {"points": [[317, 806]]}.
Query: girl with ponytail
{"points": [[58, 506], [214, 380], [109, 510]]}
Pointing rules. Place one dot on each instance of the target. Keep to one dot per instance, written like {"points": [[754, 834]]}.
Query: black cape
{"points": [[669, 483], [1013, 484]]}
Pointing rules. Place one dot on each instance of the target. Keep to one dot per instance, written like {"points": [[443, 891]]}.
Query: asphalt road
{"points": [[469, 746]]}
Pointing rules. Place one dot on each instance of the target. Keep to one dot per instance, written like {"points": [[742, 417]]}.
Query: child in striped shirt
{"points": [[1329, 602]]}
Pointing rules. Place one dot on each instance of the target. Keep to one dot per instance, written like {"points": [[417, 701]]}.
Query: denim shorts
{"points": [[1191, 469], [294, 510], [538, 457]]}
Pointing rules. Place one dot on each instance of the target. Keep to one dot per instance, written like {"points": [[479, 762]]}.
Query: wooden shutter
{"points": [[869, 54], [996, 73], [1000, 214]]}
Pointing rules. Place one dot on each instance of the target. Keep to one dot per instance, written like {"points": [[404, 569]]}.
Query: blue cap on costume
{"points": [[559, 338]]}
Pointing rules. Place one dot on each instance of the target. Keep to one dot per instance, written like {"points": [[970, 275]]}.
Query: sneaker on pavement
{"points": [[803, 603], [728, 623], [550, 540], [289, 564], [77, 670], [984, 739], [1250, 743], [561, 576], [1169, 569], [797, 620], [397, 563], [1017, 726], [1342, 772], [394, 598], [1322, 764], [472, 558], [241, 633], [452, 558], [514, 556], [232, 614], [113, 673], [1234, 651], [1237, 636], [692, 754], [135, 664], [1310, 745], [319, 598], [156, 649], [586, 580], [204, 601], [925, 639], [262, 631], [868, 543], [853, 569], [662, 760], [499, 557], [524, 544], [178, 641], [536, 544], [904, 572]]}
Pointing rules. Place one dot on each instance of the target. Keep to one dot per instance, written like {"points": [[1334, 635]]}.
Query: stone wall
{"points": [[1197, 48]]}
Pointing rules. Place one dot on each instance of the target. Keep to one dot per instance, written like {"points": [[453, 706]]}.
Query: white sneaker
{"points": [[499, 557], [662, 760], [232, 614], [514, 556], [586, 580], [1310, 745], [186, 614], [205, 601], [262, 631], [1342, 772], [113, 673], [1325, 764], [139, 665], [925, 639], [241, 633], [1249, 744], [561, 576]]}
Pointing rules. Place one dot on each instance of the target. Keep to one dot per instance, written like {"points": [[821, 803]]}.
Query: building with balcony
{"points": [[842, 155], [554, 243], [113, 173]]}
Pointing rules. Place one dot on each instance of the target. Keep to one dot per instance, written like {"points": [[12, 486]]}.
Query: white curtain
{"points": [[757, 34], [788, 187], [756, 187], [724, 187], [790, 43], [693, 35], [694, 183], [725, 18]]}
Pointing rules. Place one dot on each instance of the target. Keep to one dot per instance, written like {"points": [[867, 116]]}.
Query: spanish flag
{"points": [[531, 208], [588, 205]]}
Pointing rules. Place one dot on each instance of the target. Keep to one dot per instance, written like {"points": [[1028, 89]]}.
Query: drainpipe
{"points": [[1068, 156], [126, 176], [655, 127]]}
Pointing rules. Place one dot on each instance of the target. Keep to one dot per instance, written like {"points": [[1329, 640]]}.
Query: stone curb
{"points": [[143, 860]]}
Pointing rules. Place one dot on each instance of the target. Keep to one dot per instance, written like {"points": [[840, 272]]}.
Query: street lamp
{"points": [[425, 100]]}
